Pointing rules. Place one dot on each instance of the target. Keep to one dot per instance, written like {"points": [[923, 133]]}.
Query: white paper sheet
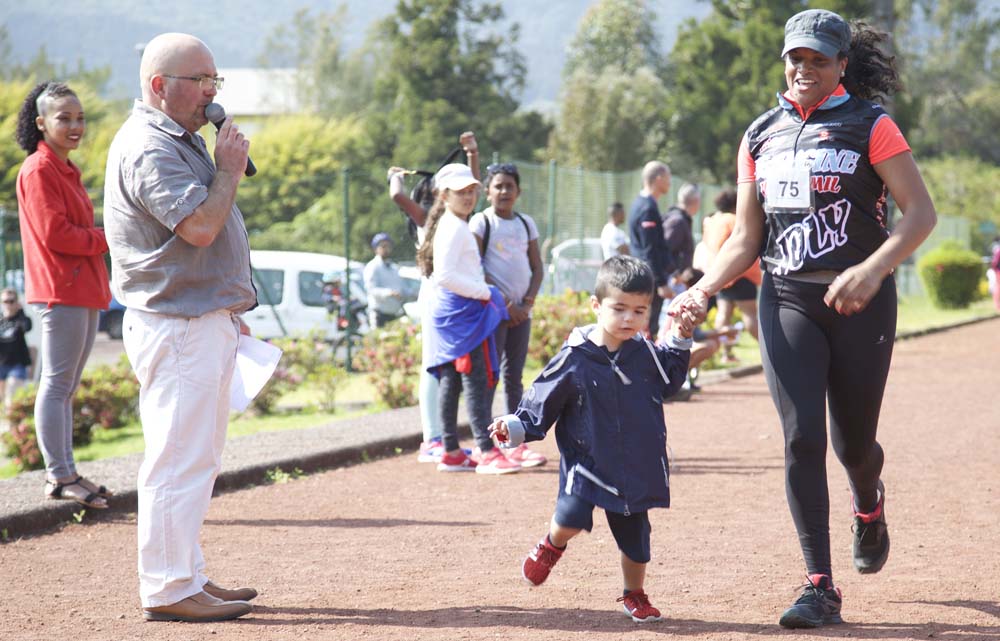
{"points": [[255, 363]]}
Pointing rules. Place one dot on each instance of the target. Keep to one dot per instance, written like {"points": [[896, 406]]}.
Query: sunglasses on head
{"points": [[502, 168]]}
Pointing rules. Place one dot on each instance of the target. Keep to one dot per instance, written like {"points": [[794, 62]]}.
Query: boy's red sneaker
{"points": [[540, 561], [636, 604]]}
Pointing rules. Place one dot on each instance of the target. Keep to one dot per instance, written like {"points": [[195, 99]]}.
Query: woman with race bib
{"points": [[814, 175]]}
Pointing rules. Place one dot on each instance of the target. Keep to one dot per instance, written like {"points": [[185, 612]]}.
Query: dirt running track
{"points": [[394, 550]]}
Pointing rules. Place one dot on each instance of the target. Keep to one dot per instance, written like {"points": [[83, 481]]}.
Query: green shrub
{"points": [[552, 319], [281, 382], [951, 275], [304, 359], [392, 357], [21, 445], [327, 378], [107, 398]]}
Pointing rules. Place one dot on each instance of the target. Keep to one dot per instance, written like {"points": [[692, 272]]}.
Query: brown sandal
{"points": [[54, 490]]}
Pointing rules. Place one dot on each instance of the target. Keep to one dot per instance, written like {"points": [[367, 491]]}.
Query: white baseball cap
{"points": [[455, 177]]}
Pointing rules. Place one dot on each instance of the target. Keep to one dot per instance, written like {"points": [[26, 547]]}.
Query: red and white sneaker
{"points": [[527, 458], [494, 462], [540, 561], [430, 451], [458, 462], [636, 605]]}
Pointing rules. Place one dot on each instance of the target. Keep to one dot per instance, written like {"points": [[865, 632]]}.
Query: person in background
{"points": [[995, 268], [645, 227], [814, 174], [706, 341], [741, 293], [15, 359], [431, 447], [614, 242], [465, 314], [65, 276], [383, 284], [181, 262], [508, 241], [677, 231]]}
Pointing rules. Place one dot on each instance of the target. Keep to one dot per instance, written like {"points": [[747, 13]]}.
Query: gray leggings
{"points": [[67, 336]]}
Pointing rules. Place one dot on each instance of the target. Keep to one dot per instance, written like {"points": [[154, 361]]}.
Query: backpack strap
{"points": [[486, 236], [486, 232]]}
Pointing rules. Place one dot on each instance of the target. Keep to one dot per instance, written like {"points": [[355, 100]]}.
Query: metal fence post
{"points": [[579, 205], [346, 174], [551, 237], [3, 245]]}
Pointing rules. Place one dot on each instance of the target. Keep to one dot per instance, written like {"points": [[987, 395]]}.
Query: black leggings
{"points": [[813, 356]]}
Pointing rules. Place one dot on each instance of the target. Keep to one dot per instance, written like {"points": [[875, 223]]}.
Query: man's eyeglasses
{"points": [[204, 82], [502, 168], [9, 301]]}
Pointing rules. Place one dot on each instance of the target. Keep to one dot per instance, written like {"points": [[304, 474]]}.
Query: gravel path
{"points": [[391, 549]]}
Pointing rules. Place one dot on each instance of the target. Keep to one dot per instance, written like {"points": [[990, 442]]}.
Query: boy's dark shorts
{"points": [[631, 532]]}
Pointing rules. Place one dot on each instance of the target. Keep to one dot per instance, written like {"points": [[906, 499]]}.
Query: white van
{"points": [[290, 292]]}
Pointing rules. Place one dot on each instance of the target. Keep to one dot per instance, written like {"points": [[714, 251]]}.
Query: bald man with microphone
{"points": [[181, 266]]}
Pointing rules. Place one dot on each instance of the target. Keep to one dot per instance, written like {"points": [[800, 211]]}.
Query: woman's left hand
{"points": [[692, 302], [851, 292]]}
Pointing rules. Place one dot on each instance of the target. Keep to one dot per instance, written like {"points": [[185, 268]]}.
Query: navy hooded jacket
{"points": [[608, 411]]}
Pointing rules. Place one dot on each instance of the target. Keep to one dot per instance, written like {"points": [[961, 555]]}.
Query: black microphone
{"points": [[215, 113]]}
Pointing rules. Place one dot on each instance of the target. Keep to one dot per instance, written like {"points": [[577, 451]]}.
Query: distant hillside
{"points": [[107, 32]]}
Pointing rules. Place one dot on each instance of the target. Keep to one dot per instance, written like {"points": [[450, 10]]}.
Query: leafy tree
{"points": [[304, 157], [954, 77], [449, 66], [612, 95], [616, 33], [329, 81], [965, 187], [725, 72], [445, 66], [610, 121]]}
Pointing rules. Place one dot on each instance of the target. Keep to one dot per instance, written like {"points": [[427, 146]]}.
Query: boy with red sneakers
{"points": [[603, 390]]}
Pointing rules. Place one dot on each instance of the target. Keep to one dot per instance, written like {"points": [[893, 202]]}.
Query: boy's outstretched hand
{"points": [[499, 431]]}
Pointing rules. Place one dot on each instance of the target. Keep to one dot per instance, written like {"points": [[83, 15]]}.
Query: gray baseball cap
{"points": [[819, 30]]}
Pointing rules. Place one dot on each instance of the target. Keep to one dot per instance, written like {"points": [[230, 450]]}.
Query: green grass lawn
{"points": [[358, 397], [918, 313]]}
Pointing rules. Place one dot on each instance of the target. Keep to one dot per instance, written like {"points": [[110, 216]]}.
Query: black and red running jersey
{"points": [[838, 141]]}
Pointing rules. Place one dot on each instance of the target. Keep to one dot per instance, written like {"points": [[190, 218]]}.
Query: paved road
{"points": [[391, 549]]}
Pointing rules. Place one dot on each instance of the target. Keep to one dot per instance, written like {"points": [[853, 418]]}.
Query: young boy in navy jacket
{"points": [[605, 390]]}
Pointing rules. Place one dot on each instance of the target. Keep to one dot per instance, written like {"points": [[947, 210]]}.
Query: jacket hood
{"points": [[578, 339]]}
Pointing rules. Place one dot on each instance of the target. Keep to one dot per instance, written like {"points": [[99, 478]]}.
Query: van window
{"points": [[311, 289], [270, 284]]}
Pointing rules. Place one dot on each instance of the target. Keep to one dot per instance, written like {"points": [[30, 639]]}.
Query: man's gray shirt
{"points": [[381, 278], [157, 175]]}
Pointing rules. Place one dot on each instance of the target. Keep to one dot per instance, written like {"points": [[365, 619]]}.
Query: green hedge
{"points": [[951, 275]]}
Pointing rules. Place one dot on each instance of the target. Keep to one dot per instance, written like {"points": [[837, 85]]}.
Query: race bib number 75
{"points": [[788, 189]]}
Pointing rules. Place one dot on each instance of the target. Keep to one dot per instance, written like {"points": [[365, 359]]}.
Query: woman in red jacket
{"points": [[66, 279]]}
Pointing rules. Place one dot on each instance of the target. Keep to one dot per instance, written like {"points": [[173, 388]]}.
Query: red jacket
{"points": [[63, 251]]}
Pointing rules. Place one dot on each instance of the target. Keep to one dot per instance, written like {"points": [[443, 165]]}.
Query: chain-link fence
{"points": [[570, 207]]}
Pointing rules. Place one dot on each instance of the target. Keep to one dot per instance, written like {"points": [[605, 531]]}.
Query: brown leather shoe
{"points": [[199, 608], [238, 594]]}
